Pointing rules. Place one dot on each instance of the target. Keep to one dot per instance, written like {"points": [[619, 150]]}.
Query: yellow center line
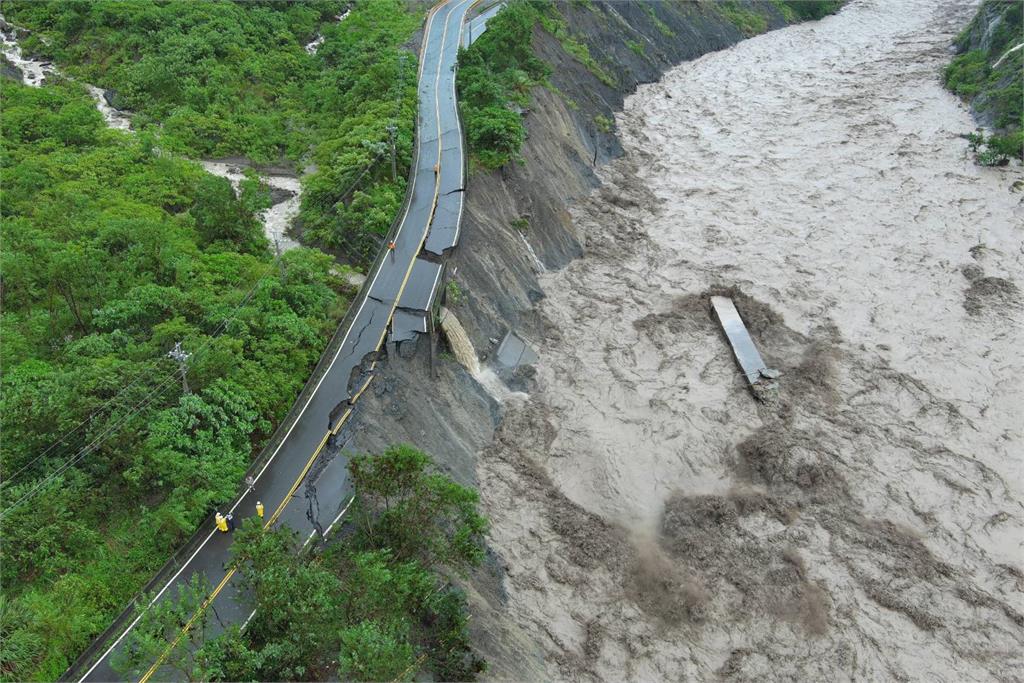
{"points": [[348, 412]]}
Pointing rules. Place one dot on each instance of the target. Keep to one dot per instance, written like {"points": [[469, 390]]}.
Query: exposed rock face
{"points": [[8, 70]]}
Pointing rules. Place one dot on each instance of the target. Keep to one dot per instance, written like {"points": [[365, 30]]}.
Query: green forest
{"points": [[113, 251], [220, 78], [989, 74], [116, 247]]}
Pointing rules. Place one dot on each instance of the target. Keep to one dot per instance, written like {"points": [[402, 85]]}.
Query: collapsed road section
{"points": [[304, 448]]}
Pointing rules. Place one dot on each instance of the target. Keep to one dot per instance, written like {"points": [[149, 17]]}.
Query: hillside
{"points": [[112, 253], [988, 73]]}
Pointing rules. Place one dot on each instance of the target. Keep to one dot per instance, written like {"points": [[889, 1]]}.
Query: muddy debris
{"points": [[990, 294], [662, 589], [659, 523]]}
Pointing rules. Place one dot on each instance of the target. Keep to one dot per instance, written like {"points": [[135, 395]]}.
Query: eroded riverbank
{"points": [[656, 522]]}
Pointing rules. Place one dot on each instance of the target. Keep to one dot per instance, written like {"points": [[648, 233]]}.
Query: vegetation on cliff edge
{"points": [[988, 73], [376, 605]]}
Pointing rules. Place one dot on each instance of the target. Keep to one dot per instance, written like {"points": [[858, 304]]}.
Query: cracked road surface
{"points": [[432, 215]]}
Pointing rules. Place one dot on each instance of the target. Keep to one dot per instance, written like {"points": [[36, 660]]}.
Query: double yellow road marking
{"points": [[348, 412]]}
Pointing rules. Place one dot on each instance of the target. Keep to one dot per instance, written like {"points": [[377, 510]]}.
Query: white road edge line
{"points": [[337, 353]]}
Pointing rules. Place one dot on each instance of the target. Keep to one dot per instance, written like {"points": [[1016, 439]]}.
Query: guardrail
{"points": [[101, 642]]}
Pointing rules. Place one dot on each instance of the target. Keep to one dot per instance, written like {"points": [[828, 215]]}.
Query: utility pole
{"points": [[181, 357], [392, 134], [393, 126]]}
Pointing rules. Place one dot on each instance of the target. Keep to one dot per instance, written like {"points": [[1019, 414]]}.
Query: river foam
{"points": [[867, 525]]}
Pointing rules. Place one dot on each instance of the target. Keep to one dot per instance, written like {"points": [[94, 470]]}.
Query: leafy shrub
{"points": [[990, 76], [495, 76], [745, 19], [806, 10], [112, 253]]}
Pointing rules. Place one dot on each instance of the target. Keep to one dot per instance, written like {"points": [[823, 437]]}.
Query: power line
{"points": [[346, 240], [159, 389], [140, 376]]}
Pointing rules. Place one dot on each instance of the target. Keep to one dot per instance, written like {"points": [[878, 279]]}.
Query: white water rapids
{"points": [[660, 524], [278, 218]]}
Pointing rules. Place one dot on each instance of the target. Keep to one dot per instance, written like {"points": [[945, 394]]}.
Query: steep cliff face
{"points": [[990, 57], [523, 206], [988, 73]]}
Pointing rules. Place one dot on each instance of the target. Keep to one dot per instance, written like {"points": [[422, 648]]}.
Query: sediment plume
{"points": [[657, 522]]}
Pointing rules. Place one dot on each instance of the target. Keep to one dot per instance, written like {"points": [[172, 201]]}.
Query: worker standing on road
{"points": [[391, 248], [230, 519], [259, 509], [222, 524]]}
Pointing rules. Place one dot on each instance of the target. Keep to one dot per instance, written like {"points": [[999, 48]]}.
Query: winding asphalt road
{"points": [[402, 280]]}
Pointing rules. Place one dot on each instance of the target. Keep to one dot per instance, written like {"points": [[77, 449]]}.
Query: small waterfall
{"points": [[536, 259], [313, 46], [115, 118], [278, 218], [34, 72], [464, 352]]}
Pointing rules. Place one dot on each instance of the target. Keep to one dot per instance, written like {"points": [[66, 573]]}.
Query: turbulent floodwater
{"points": [[656, 520]]}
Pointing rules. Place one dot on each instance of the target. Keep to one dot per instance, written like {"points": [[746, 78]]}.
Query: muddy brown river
{"points": [[658, 522]]}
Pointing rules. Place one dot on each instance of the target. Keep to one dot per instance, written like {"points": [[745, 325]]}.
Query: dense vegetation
{"points": [[496, 74], [375, 606], [751, 18], [807, 10], [989, 73], [218, 78], [113, 251]]}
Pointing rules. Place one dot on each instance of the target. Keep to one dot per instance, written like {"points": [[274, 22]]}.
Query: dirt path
{"points": [[659, 523]]}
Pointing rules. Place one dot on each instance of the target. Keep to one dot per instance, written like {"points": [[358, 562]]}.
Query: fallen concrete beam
{"points": [[742, 345], [515, 351]]}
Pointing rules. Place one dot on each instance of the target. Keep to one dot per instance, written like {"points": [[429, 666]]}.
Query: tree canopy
{"points": [[114, 251], [372, 606], [220, 78]]}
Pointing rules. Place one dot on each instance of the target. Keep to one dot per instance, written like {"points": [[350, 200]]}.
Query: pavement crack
{"points": [[359, 335]]}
